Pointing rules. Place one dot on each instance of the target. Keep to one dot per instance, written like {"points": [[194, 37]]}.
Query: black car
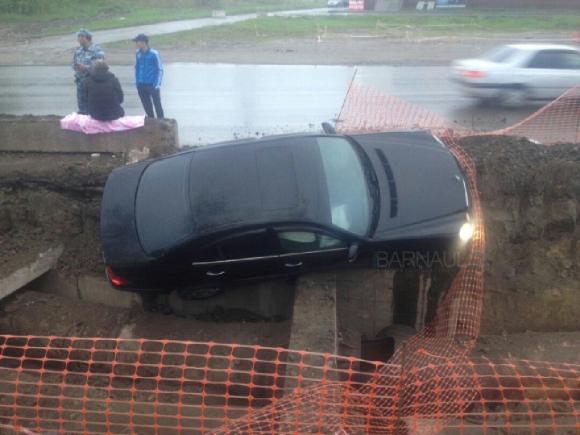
{"points": [[208, 217]]}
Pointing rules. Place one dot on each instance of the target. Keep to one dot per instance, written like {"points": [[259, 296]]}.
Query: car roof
{"points": [[251, 182], [542, 46], [257, 140]]}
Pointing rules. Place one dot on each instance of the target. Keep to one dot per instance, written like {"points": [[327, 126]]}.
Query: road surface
{"points": [[219, 102]]}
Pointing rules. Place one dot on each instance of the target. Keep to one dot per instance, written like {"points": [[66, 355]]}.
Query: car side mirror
{"points": [[328, 128], [353, 251]]}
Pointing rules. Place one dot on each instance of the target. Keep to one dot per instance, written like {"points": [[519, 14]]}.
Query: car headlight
{"points": [[466, 232]]}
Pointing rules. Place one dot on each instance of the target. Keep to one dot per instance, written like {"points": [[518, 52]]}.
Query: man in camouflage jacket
{"points": [[84, 56]]}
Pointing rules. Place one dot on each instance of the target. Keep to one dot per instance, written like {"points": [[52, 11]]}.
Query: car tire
{"points": [[195, 294], [514, 97], [485, 101]]}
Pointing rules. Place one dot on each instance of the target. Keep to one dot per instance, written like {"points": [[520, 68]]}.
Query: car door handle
{"points": [[293, 265], [215, 274]]}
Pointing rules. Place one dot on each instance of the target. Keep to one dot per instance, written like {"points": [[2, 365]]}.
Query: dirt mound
{"points": [[556, 347], [33, 313], [530, 195]]}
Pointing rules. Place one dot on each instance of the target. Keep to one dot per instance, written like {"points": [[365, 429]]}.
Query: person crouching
{"points": [[104, 93]]}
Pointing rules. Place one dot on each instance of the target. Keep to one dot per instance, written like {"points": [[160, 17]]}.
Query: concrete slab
{"points": [[43, 134], [97, 290], [55, 284], [313, 328], [365, 301], [21, 277], [86, 288], [314, 319]]}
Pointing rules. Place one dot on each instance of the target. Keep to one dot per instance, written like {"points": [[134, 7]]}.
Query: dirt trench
{"points": [[51, 199], [530, 196]]}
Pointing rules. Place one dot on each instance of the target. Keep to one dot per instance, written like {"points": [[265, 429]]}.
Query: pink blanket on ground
{"points": [[87, 125]]}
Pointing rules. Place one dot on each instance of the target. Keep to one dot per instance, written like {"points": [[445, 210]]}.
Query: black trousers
{"points": [[151, 96]]}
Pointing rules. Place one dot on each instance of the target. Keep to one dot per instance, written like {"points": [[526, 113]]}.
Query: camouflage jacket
{"points": [[86, 56]]}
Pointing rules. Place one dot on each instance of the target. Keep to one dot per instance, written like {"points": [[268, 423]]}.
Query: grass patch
{"points": [[271, 28], [64, 16]]}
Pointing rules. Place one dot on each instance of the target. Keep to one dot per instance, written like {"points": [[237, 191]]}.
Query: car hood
{"points": [[121, 246], [422, 189]]}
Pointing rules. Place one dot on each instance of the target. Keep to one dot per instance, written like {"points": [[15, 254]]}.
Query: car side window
{"points": [[572, 60], [553, 59], [307, 241], [248, 245]]}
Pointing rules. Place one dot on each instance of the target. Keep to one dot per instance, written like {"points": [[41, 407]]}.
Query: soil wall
{"points": [[531, 201]]}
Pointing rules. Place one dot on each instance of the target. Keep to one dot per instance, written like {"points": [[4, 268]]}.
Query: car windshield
{"points": [[500, 54], [347, 185]]}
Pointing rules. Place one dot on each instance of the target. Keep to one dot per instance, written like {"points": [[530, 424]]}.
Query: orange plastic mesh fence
{"points": [[367, 109], [139, 386], [558, 121], [75, 385]]}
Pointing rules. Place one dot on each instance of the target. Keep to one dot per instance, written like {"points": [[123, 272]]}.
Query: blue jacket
{"points": [[148, 68]]}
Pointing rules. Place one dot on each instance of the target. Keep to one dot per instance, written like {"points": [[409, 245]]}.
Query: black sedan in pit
{"points": [[206, 218]]}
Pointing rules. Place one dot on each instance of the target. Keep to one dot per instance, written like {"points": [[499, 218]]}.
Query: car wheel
{"points": [[514, 97], [485, 101], [192, 294]]}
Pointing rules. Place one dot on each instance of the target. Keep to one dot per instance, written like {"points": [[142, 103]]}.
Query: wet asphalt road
{"points": [[219, 102]]}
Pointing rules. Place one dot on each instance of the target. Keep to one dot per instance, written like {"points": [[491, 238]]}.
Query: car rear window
{"points": [[500, 54], [162, 206]]}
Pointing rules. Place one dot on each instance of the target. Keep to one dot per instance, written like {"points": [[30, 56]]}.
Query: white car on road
{"points": [[515, 74]]}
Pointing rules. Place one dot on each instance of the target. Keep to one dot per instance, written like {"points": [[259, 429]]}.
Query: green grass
{"points": [[269, 28], [63, 16]]}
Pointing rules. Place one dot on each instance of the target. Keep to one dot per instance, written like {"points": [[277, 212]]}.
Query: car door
{"points": [[571, 68], [304, 250], [247, 255], [550, 73]]}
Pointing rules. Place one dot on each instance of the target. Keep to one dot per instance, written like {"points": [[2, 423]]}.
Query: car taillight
{"points": [[473, 74], [116, 279]]}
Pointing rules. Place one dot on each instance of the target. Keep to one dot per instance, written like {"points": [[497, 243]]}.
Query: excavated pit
{"points": [[530, 196]]}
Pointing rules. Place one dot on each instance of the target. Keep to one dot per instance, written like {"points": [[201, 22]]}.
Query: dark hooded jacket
{"points": [[104, 94]]}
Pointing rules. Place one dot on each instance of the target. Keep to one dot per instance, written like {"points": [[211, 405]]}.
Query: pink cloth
{"points": [[87, 125]]}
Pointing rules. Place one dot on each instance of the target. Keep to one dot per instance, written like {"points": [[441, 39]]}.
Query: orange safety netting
{"points": [[367, 109], [140, 386], [75, 385], [558, 121]]}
